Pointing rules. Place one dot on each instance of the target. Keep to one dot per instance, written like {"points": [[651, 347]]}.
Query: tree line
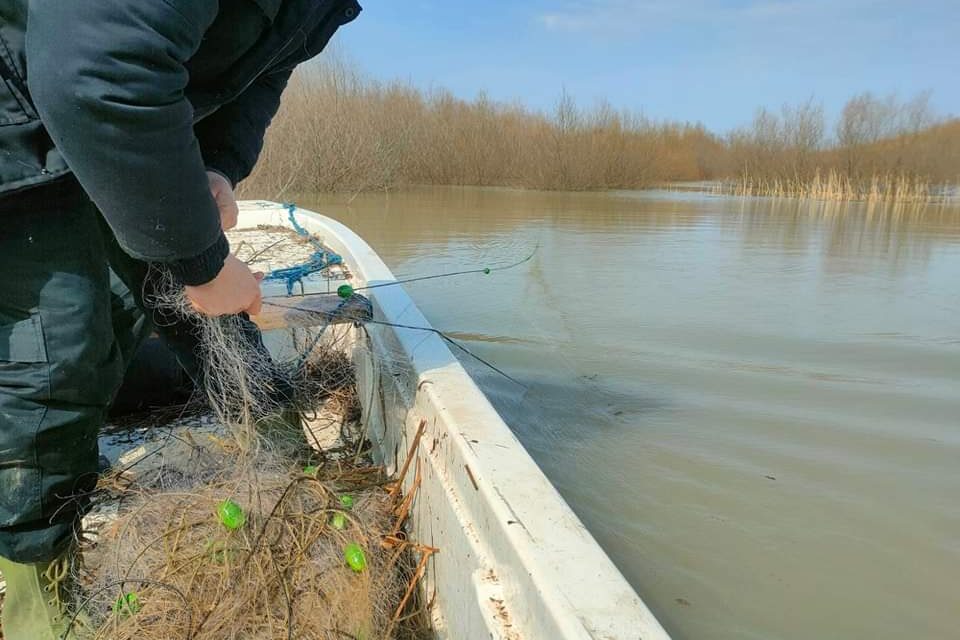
{"points": [[340, 131]]}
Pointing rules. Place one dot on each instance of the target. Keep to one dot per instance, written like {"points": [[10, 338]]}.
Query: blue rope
{"points": [[319, 260]]}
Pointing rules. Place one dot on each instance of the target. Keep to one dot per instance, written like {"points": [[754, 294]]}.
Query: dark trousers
{"points": [[71, 318]]}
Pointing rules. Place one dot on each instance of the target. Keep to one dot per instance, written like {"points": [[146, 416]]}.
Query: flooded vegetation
{"points": [[882, 150], [340, 131]]}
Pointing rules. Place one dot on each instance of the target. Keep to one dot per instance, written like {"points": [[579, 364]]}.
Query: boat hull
{"points": [[514, 561]]}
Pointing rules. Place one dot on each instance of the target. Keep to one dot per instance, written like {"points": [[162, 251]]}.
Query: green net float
{"points": [[311, 470], [338, 521], [231, 515], [486, 271], [127, 604], [344, 291], [346, 501], [355, 557]]}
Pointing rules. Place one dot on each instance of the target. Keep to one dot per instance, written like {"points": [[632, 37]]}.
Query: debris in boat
{"points": [[230, 525], [289, 555], [274, 572]]}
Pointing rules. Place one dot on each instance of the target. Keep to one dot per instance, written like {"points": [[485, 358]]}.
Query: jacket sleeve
{"points": [[231, 138], [108, 80]]}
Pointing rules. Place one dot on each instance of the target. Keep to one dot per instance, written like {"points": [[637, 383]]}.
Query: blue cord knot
{"points": [[319, 260]]}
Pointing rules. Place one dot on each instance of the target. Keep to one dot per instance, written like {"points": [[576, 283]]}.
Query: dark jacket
{"points": [[138, 97]]}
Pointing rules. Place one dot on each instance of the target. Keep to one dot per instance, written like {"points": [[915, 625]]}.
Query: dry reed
{"points": [[884, 150], [837, 186]]}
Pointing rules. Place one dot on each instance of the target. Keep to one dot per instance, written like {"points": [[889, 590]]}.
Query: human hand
{"points": [[235, 289], [226, 201]]}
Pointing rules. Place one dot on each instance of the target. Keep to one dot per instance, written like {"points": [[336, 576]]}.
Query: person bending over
{"points": [[124, 125]]}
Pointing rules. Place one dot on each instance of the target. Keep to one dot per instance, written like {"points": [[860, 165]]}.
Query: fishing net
{"points": [[254, 511]]}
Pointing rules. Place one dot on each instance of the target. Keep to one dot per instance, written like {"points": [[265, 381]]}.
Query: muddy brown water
{"points": [[753, 404]]}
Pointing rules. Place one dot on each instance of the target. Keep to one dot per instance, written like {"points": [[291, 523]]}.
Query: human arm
{"points": [[231, 138], [108, 79]]}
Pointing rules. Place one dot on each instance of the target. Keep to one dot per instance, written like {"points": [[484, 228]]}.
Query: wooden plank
{"points": [[312, 310]]}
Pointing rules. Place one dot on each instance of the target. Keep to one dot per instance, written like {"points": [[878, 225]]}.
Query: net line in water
{"points": [[346, 291]]}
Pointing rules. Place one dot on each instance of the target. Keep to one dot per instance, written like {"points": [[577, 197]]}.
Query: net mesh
{"points": [[254, 511]]}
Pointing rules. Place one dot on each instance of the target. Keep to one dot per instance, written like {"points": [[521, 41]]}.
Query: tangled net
{"points": [[239, 524], [179, 563]]}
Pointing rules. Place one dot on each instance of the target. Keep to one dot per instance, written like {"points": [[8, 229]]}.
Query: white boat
{"points": [[514, 561]]}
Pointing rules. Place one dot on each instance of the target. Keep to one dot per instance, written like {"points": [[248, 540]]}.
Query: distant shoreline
{"points": [[338, 131]]}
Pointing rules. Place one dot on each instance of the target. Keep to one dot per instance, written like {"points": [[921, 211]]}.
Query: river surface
{"points": [[753, 404]]}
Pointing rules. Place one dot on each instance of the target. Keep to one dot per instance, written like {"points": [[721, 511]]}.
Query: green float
{"points": [[355, 557], [127, 604], [231, 515]]}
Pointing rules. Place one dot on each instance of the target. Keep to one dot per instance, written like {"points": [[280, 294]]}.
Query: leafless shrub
{"points": [[340, 131], [884, 149]]}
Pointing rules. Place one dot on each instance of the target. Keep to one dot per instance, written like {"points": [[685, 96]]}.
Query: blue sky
{"points": [[692, 60]]}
